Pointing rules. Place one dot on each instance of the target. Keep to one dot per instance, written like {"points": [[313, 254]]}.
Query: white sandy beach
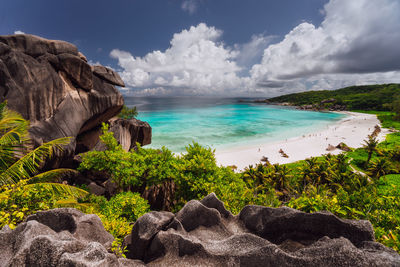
{"points": [[351, 130]]}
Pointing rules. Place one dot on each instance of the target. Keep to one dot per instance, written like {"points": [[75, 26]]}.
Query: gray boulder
{"points": [[35, 46], [204, 233], [87, 227], [59, 237], [107, 74], [128, 132], [77, 70]]}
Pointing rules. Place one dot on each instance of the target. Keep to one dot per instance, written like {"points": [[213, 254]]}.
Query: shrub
{"points": [[127, 205], [133, 170], [19, 202], [128, 113]]}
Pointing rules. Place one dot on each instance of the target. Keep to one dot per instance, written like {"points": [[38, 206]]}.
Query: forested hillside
{"points": [[365, 97]]}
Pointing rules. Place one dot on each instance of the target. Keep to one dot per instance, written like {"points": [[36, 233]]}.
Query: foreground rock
{"points": [[59, 237], [204, 233], [51, 84]]}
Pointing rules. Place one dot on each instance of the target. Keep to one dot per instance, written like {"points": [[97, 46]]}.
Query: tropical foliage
{"points": [[128, 113], [22, 187], [25, 190]]}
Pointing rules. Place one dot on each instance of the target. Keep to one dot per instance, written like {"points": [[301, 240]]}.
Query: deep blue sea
{"points": [[223, 122]]}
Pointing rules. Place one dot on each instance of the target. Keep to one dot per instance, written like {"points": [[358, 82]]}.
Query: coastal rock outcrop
{"points": [[204, 233], [51, 84], [128, 132], [343, 146], [59, 237]]}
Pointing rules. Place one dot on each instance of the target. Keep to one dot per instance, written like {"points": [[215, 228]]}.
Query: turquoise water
{"points": [[226, 123]]}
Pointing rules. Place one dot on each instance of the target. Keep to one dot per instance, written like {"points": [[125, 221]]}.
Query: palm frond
{"points": [[7, 157], [28, 164], [11, 119], [60, 189], [15, 135], [51, 176]]}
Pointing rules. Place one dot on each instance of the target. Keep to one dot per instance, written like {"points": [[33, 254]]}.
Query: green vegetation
{"points": [[25, 190], [370, 146], [360, 184], [128, 113], [192, 175], [389, 182], [383, 97], [22, 187]]}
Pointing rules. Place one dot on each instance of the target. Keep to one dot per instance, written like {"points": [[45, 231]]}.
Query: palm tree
{"points": [[307, 171], [280, 177], [257, 177], [19, 165], [370, 146], [379, 168], [342, 163]]}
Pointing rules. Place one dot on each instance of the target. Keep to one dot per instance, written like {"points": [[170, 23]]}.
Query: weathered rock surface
{"points": [[51, 84], [107, 74], [59, 237], [128, 132], [330, 148], [343, 146], [204, 233]]}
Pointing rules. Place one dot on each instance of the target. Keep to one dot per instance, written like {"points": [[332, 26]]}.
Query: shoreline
{"points": [[351, 130]]}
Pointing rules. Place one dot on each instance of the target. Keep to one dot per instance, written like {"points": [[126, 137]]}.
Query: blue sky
{"points": [[224, 47]]}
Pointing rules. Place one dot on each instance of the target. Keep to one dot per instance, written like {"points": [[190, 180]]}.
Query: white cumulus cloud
{"points": [[357, 43], [196, 62], [355, 37], [19, 32]]}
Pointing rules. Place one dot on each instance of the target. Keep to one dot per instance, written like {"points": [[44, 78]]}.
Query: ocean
{"points": [[223, 123]]}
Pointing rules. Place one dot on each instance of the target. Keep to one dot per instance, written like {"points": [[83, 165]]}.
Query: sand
{"points": [[351, 130]]}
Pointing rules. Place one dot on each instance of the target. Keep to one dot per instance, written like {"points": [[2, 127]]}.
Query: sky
{"points": [[223, 47]]}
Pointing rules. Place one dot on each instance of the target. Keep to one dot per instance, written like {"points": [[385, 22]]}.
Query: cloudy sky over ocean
{"points": [[224, 47]]}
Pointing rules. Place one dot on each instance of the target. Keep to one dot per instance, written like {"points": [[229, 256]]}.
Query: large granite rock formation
{"points": [[204, 233], [59, 237], [51, 84]]}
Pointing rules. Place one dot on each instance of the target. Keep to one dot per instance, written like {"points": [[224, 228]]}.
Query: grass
{"points": [[389, 182], [392, 141], [359, 156]]}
